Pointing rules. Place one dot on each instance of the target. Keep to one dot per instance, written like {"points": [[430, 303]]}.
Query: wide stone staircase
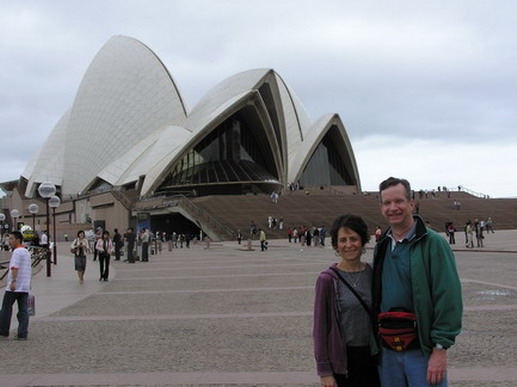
{"points": [[321, 208]]}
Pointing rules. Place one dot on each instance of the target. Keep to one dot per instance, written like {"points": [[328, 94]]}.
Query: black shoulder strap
{"points": [[354, 292]]}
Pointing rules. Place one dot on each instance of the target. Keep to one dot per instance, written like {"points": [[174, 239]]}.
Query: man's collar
{"points": [[410, 234]]}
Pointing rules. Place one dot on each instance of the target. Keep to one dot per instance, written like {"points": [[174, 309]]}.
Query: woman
{"points": [[343, 338], [105, 249], [79, 248]]}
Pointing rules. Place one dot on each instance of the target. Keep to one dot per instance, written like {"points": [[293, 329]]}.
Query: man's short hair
{"points": [[17, 235], [393, 181]]}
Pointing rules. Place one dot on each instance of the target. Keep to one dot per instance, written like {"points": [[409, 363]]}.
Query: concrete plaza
{"points": [[225, 316]]}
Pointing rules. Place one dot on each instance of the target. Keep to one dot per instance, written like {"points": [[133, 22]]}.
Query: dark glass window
{"points": [[326, 166], [233, 152]]}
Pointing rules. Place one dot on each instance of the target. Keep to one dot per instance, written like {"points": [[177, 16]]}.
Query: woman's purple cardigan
{"points": [[329, 346]]}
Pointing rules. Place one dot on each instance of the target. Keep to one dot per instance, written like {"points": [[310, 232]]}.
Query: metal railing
{"points": [[209, 220]]}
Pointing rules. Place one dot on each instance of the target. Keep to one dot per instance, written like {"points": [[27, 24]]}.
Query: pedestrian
{"points": [[451, 230], [344, 347], [239, 236], [104, 249], [489, 225], [130, 239], [145, 237], [43, 241], [469, 231], [17, 289], [263, 240], [323, 235], [79, 248], [479, 233], [378, 233], [416, 281], [118, 244], [98, 237]]}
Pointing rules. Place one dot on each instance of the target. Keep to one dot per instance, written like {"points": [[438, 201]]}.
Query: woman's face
{"points": [[81, 235], [349, 245]]}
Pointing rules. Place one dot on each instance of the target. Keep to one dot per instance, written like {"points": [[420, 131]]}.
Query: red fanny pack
{"points": [[397, 330]]}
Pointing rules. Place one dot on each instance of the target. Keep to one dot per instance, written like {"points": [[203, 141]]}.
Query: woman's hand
{"points": [[328, 381]]}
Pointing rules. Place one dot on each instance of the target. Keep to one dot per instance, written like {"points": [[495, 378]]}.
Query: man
{"points": [[118, 243], [130, 239], [43, 242], [415, 271], [17, 289], [263, 240], [145, 245]]}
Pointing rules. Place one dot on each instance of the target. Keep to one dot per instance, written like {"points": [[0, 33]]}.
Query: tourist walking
{"points": [[118, 243], [130, 240], [344, 343], [79, 248], [104, 249], [451, 230], [263, 240], [17, 289], [145, 237], [489, 225]]}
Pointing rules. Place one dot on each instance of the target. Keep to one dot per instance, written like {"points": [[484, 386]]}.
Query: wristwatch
{"points": [[439, 346]]}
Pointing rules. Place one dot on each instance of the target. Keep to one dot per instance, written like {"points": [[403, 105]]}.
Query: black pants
{"points": [[145, 252], [362, 369], [7, 311], [104, 264], [130, 256]]}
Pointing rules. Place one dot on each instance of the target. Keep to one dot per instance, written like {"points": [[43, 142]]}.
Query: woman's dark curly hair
{"points": [[352, 222]]}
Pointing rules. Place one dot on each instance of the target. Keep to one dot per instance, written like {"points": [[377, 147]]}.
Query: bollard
{"points": [[249, 244]]}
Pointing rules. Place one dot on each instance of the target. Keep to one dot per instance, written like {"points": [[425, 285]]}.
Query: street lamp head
{"points": [[33, 209], [47, 190], [2, 217], [15, 213], [54, 202]]}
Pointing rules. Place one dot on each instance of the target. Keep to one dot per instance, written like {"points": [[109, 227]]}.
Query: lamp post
{"points": [[2, 218], [15, 214], [33, 209], [54, 202], [46, 191]]}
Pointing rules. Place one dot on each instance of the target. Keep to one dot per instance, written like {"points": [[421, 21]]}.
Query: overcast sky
{"points": [[426, 89]]}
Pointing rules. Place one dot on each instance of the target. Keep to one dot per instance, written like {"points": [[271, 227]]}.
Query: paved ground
{"points": [[230, 317]]}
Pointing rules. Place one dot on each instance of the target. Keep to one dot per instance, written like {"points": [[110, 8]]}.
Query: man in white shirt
{"points": [[17, 289], [44, 240]]}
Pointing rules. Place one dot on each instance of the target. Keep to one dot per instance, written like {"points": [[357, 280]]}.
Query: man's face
{"points": [[13, 242], [396, 207]]}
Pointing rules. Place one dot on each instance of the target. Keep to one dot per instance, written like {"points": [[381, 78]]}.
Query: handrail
{"points": [[208, 218], [37, 255], [472, 192]]}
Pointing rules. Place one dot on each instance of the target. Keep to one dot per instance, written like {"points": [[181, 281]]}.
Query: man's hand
{"points": [[13, 286], [328, 381], [437, 366]]}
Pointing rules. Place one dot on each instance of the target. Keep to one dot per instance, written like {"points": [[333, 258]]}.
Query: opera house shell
{"points": [[129, 127]]}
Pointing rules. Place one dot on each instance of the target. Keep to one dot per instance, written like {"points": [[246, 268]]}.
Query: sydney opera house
{"points": [[129, 132]]}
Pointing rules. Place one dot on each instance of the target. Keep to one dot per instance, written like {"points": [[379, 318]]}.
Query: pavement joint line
{"points": [[489, 308], [467, 280], [224, 267], [219, 276], [176, 317], [229, 290]]}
